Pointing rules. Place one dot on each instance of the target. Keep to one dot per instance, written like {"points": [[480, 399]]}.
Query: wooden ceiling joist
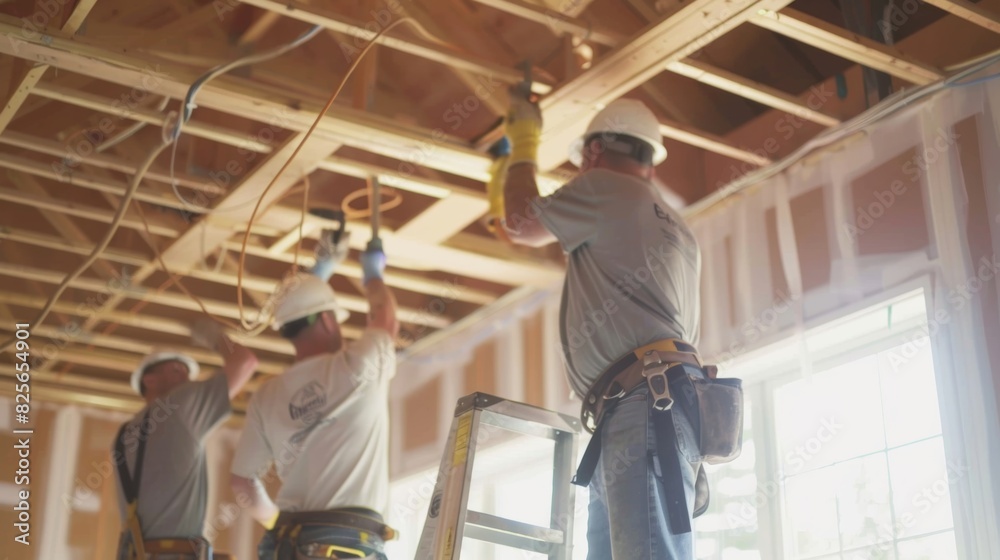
{"points": [[572, 105], [413, 146], [80, 210], [329, 19], [835, 40], [557, 21], [755, 91], [148, 322], [970, 12], [26, 75], [178, 301], [691, 68], [257, 283]]}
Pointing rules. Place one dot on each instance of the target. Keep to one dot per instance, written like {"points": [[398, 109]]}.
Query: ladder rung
{"points": [[507, 532], [520, 425]]}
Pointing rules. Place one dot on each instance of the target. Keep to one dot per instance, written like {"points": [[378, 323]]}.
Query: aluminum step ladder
{"points": [[448, 517]]}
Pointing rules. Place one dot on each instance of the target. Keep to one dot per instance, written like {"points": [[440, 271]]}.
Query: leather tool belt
{"points": [[368, 523], [710, 428], [620, 379]]}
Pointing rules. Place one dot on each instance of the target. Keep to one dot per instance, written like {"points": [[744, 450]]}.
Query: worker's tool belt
{"points": [[709, 428], [368, 524]]}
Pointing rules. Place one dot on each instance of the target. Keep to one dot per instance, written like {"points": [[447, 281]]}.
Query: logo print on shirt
{"points": [[307, 399]]}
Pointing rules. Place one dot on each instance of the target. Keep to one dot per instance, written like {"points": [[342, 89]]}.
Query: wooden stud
{"points": [[862, 50], [970, 12]]}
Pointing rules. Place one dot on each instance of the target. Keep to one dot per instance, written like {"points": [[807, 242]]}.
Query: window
{"points": [[844, 461], [851, 462]]}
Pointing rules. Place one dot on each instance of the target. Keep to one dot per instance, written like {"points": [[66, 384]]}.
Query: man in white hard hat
{"points": [[630, 311], [324, 425], [159, 455]]}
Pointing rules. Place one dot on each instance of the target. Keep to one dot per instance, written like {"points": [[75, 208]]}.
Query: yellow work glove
{"points": [[524, 128]]}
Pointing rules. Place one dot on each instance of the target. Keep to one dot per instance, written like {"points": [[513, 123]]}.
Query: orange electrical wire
{"points": [[319, 117]]}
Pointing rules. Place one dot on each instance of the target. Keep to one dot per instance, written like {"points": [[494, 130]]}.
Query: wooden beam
{"points": [[710, 142], [83, 211], [103, 160], [330, 19], [444, 219], [264, 22], [149, 116], [123, 344], [558, 22], [494, 103], [26, 76], [351, 270], [836, 40], [66, 227], [970, 12], [755, 91], [178, 301], [568, 109], [235, 96]]}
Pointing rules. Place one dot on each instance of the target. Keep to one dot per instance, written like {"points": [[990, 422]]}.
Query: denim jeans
{"points": [[271, 549], [628, 518]]}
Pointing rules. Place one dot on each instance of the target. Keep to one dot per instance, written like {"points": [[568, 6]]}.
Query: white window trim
{"points": [[970, 497]]}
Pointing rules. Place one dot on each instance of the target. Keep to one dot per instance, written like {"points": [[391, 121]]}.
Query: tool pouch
{"points": [[710, 429]]}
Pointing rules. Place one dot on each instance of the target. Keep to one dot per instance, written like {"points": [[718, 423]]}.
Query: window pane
{"points": [[811, 504], [882, 551], [937, 547], [728, 529], [921, 484], [863, 501], [832, 416], [909, 393]]}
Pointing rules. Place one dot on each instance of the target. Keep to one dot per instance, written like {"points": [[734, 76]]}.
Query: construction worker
{"points": [[323, 424], [159, 455], [629, 314]]}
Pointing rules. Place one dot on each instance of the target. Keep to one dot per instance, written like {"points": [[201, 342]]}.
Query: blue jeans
{"points": [[270, 548], [628, 519]]}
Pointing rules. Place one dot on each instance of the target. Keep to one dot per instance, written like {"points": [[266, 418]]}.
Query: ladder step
{"points": [[507, 532]]}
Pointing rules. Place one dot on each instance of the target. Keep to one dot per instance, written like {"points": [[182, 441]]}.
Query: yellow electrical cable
{"points": [[319, 117], [350, 213]]}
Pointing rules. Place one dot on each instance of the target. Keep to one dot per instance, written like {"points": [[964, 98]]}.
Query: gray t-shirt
{"points": [[174, 486], [633, 270]]}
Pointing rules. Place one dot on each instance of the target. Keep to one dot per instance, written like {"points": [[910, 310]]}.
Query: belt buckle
{"points": [[655, 372]]}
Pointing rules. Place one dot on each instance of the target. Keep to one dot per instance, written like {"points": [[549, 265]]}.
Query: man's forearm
{"points": [[382, 307], [521, 220], [261, 507]]}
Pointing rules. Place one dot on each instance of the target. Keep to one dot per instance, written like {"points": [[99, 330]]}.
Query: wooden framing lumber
{"points": [[26, 75], [970, 12], [755, 91], [835, 40], [329, 19], [556, 21], [569, 108]]}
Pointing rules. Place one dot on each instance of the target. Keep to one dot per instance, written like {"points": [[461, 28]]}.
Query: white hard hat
{"points": [[158, 357], [304, 295], [624, 116]]}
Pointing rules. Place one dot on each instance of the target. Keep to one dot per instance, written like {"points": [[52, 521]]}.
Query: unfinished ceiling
{"points": [[93, 84]]}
